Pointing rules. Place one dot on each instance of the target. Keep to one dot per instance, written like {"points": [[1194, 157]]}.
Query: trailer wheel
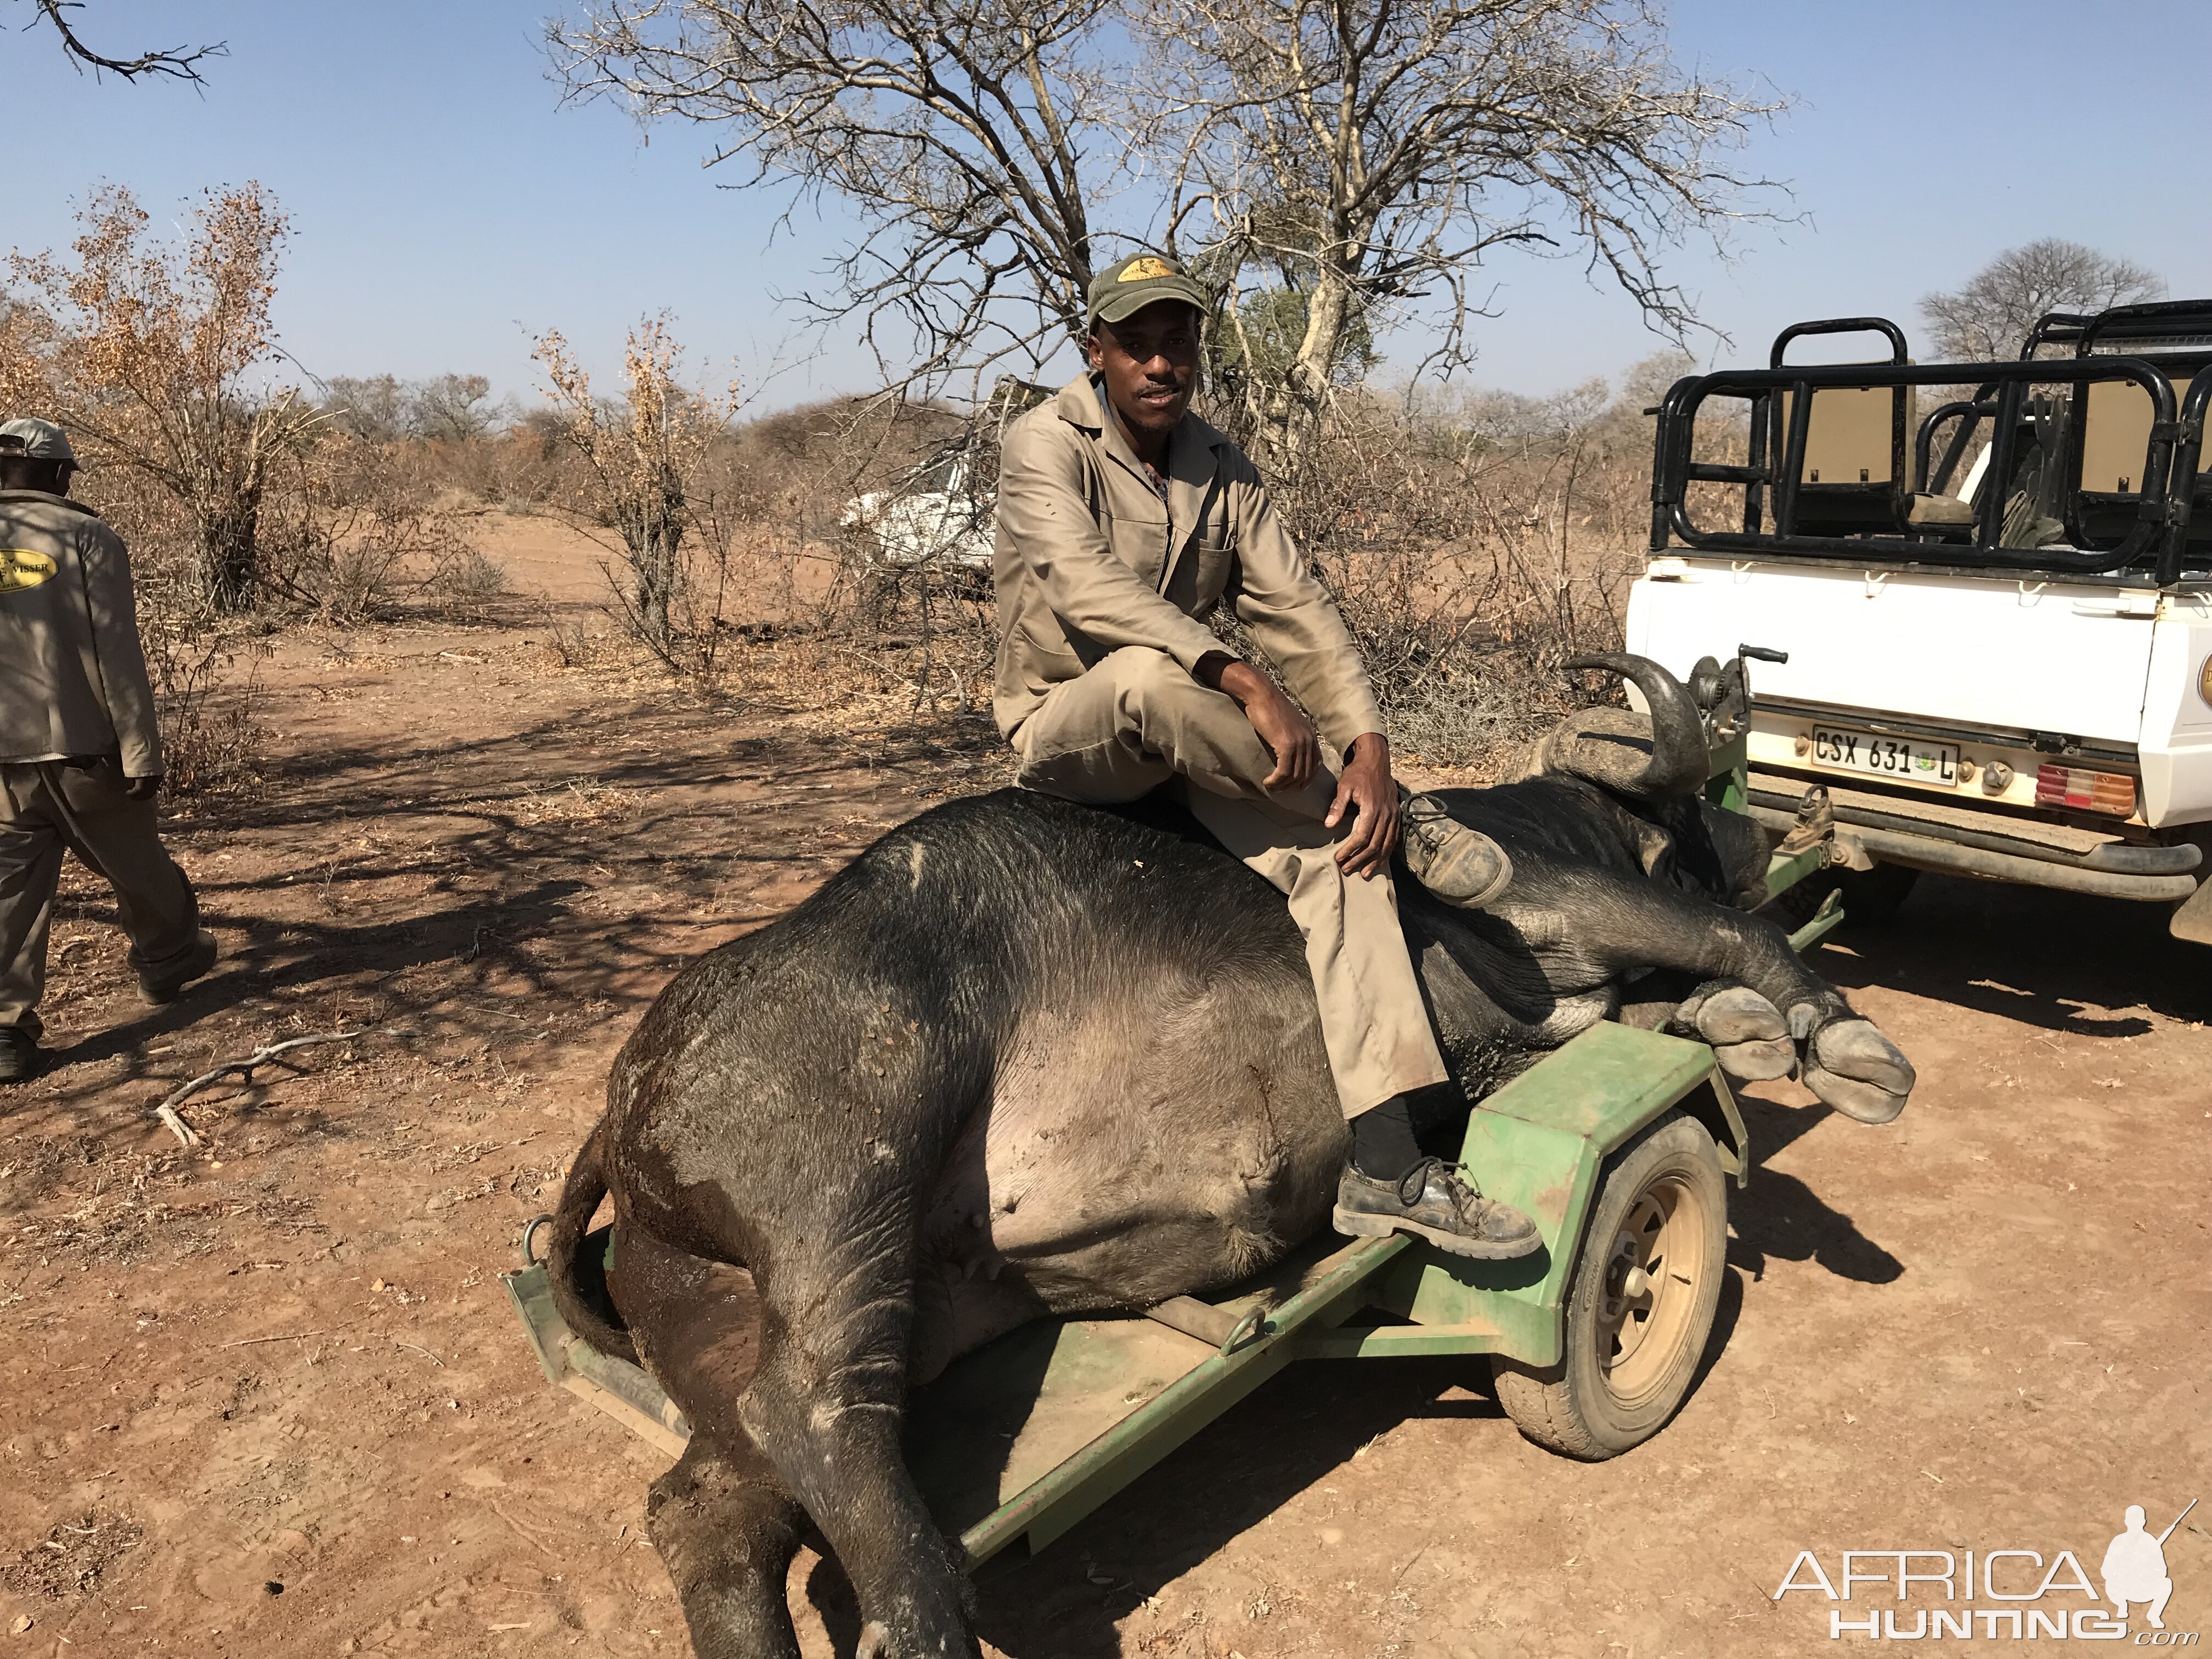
{"points": [[1640, 1303]]}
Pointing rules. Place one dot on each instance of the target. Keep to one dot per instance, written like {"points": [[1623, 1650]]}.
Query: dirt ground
{"points": [[267, 1399]]}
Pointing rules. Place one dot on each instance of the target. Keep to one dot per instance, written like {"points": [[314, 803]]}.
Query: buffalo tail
{"points": [[572, 1278]]}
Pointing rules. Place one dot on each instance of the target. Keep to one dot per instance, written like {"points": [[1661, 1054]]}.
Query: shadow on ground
{"points": [[2065, 961]]}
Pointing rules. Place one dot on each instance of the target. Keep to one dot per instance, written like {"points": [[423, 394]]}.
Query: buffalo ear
{"points": [[1655, 847], [1743, 847]]}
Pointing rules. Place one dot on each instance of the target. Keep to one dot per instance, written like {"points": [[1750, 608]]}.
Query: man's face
{"points": [[1150, 359]]}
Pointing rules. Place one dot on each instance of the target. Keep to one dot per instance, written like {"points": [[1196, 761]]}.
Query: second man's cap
{"points": [[39, 440]]}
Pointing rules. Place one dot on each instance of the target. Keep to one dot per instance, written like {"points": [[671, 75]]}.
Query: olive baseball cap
{"points": [[36, 439], [1141, 279]]}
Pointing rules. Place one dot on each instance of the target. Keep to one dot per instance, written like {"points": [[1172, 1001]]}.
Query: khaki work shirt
{"points": [[72, 673], [1089, 559]]}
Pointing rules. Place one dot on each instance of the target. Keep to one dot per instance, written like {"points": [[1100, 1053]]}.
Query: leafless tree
{"points": [[372, 407], [977, 139], [1366, 153], [380, 408], [1369, 152], [1988, 319], [181, 63], [452, 407]]}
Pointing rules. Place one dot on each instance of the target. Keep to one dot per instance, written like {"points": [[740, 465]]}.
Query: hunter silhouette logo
{"points": [[2135, 1566], [2028, 1592], [20, 568]]}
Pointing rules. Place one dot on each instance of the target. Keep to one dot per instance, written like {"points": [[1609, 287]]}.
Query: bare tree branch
{"points": [[978, 141], [1369, 152], [1362, 154], [180, 62]]}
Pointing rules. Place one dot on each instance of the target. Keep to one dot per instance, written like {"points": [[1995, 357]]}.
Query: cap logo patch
{"points": [[20, 568], [1145, 269]]}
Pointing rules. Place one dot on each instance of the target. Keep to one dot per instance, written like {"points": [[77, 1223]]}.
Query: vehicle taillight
{"points": [[2085, 791]]}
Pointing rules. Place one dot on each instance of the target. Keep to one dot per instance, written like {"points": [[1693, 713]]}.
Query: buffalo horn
{"points": [[1678, 763]]}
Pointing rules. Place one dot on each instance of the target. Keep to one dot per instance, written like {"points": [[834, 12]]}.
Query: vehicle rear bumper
{"points": [[2109, 870]]}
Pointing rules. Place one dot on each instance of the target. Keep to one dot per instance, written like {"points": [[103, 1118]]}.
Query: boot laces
{"points": [[1423, 812], [1415, 1181]]}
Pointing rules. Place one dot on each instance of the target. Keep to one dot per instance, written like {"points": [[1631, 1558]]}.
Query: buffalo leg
{"points": [[726, 1530], [1610, 925], [724, 1523], [1604, 926], [827, 1404]]}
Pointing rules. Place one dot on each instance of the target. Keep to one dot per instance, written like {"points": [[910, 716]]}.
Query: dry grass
{"points": [[578, 800]]}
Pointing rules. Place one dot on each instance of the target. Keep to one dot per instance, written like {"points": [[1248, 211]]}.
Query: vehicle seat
{"points": [[1849, 486], [2115, 421]]}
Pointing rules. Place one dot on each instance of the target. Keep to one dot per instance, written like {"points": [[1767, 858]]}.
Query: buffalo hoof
{"points": [[1736, 1014], [1757, 1063], [1749, 1038], [1858, 1071]]}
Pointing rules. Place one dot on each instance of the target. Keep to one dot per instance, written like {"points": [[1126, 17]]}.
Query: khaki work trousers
{"points": [[1137, 721], [49, 807]]}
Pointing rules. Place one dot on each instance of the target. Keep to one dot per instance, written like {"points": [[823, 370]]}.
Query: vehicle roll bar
{"points": [[2153, 319], [1980, 406], [1881, 325], [2156, 532]]}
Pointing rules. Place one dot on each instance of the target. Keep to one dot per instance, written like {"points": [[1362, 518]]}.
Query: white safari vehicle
{"points": [[1982, 593], [932, 517]]}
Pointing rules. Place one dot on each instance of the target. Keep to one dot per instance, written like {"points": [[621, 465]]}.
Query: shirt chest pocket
{"points": [[1216, 548], [1213, 552], [1138, 538]]}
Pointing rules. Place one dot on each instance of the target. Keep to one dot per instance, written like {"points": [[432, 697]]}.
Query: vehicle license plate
{"points": [[1886, 757]]}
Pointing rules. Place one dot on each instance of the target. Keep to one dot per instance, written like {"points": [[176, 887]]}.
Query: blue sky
{"points": [[445, 207]]}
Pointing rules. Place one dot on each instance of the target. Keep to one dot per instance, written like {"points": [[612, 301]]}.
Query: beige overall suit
{"points": [[76, 720], [1104, 587]]}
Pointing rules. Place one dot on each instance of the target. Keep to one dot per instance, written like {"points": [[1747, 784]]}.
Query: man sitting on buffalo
{"points": [[1124, 520]]}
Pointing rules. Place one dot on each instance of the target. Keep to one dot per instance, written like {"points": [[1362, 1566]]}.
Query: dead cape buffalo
{"points": [[1023, 1056]]}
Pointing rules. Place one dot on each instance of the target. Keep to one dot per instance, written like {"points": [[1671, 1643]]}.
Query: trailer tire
{"points": [[1663, 1200]]}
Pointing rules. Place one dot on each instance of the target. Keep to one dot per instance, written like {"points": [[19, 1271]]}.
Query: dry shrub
{"points": [[211, 742], [356, 535], [798, 578], [1473, 545], [575, 646], [646, 489], [908, 602], [524, 470]]}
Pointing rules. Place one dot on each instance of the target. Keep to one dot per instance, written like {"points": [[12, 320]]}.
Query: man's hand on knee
{"points": [[1284, 729], [1367, 786]]}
